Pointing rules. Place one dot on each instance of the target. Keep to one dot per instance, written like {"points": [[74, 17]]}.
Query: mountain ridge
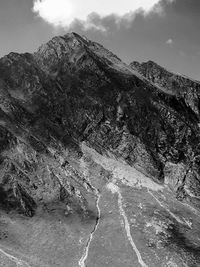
{"points": [[38, 89], [88, 142]]}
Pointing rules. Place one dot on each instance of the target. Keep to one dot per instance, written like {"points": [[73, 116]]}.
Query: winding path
{"points": [[86, 250]]}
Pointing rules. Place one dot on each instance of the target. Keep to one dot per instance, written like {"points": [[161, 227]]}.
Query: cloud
{"points": [[62, 13], [170, 42]]}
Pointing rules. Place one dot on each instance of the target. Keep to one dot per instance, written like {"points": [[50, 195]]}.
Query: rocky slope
{"points": [[73, 91], [175, 84], [186, 91]]}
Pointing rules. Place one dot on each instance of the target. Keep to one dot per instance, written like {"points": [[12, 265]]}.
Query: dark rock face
{"points": [[175, 84], [73, 90], [183, 172]]}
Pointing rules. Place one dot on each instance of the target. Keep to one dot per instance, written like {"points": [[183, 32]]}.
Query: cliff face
{"points": [[187, 92], [175, 84], [73, 90]]}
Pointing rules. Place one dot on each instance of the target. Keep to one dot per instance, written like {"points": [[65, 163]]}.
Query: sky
{"points": [[165, 31]]}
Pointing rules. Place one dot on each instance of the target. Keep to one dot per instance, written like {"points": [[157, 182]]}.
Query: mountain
{"points": [[79, 127], [175, 84]]}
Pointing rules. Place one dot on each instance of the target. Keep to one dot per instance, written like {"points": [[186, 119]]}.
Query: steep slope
{"points": [[185, 90], [73, 90], [175, 84], [77, 124]]}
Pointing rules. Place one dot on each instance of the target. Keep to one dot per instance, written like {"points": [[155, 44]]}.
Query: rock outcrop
{"points": [[183, 174]]}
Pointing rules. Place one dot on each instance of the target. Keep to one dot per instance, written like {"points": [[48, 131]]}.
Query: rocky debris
{"points": [[73, 90]]}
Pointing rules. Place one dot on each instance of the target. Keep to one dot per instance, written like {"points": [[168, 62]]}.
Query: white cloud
{"points": [[170, 42], [64, 12]]}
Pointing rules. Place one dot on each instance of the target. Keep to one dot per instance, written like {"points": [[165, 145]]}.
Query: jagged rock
{"points": [[73, 90], [176, 84], [183, 156]]}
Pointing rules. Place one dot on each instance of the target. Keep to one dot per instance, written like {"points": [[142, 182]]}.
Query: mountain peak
{"points": [[76, 125], [75, 49], [149, 63]]}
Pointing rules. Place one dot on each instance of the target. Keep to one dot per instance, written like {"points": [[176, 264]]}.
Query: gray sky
{"points": [[168, 34]]}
